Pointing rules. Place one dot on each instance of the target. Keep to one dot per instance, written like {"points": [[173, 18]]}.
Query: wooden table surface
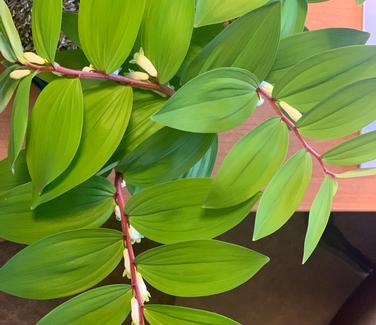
{"points": [[353, 195]]}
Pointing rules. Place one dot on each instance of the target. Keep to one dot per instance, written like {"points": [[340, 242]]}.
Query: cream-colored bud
{"points": [[135, 235], [267, 87], [88, 69], [127, 264], [135, 311], [34, 58], [19, 74], [145, 294], [137, 75], [117, 213], [292, 112], [143, 62]]}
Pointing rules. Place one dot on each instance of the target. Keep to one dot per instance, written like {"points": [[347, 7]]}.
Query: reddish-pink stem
{"points": [[293, 127], [99, 75], [128, 244]]}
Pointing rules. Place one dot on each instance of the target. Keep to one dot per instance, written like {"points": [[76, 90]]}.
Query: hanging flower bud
{"points": [[261, 101], [135, 313], [117, 213], [34, 58], [143, 62], [19, 74], [88, 69], [267, 87], [291, 111], [135, 235], [145, 294], [137, 75], [127, 264], [123, 184]]}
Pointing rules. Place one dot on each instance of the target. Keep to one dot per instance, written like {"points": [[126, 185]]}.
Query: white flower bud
{"points": [[143, 62], [123, 184], [145, 294], [117, 213], [88, 69], [267, 87], [127, 264], [138, 75], [135, 235], [261, 101], [291, 111], [34, 58], [19, 74], [135, 313]]}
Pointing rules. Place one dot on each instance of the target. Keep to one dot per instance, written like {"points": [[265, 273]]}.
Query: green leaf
{"points": [[186, 192], [20, 117], [294, 14], [11, 46], [46, 26], [106, 117], [199, 268], [172, 212], [319, 215], [298, 47], [354, 151], [166, 34], [215, 101], [55, 131], [250, 42], [250, 164], [364, 172], [283, 194], [87, 206], [7, 87], [217, 11], [205, 166], [20, 176], [108, 30], [163, 156], [319, 76], [343, 112], [140, 127], [62, 264], [165, 314], [108, 305], [69, 27]]}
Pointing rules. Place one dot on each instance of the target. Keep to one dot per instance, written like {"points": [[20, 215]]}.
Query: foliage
{"points": [[145, 95]]}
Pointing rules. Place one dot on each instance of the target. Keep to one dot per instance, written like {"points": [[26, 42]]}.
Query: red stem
{"points": [[293, 127], [127, 243], [99, 75]]}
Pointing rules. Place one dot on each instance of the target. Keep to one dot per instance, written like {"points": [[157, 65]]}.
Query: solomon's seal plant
{"points": [[141, 101]]}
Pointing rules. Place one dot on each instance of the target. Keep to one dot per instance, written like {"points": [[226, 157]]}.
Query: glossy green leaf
{"points": [[319, 215], [108, 305], [250, 43], [62, 264], [11, 46], [20, 176], [354, 151], [294, 14], [298, 47], [165, 314], [55, 131], [250, 164], [177, 213], [166, 33], [215, 101], [106, 117], [20, 117], [317, 77], [364, 172], [197, 268], [186, 192], [88, 205], [343, 112], [69, 27], [163, 156], [108, 30], [283, 194], [217, 11], [7, 87], [140, 127], [205, 166], [46, 26]]}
